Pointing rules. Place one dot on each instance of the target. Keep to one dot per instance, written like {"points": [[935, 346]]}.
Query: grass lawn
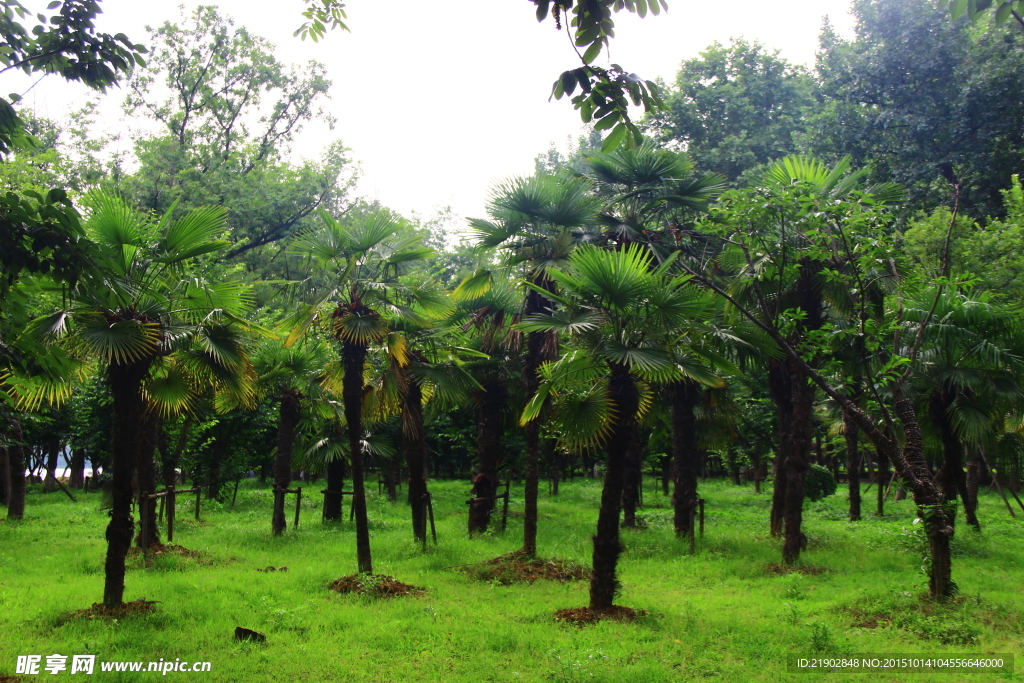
{"points": [[720, 614]]}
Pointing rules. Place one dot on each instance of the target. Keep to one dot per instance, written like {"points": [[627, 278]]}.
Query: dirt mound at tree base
{"points": [[518, 568], [377, 585], [584, 615], [806, 570], [100, 611], [159, 549]]}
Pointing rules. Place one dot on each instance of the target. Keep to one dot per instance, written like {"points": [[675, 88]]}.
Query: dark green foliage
{"points": [[735, 107], [819, 483]]}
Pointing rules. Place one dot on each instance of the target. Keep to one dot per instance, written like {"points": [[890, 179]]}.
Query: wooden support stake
{"points": [[160, 512], [199, 498], [170, 513], [1015, 497], [430, 511], [995, 480], [504, 510], [235, 494], [298, 502], [700, 503]]}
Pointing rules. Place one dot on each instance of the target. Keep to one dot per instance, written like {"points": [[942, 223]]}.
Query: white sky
{"points": [[439, 99]]}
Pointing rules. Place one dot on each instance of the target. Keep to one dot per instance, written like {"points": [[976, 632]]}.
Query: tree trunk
{"points": [[851, 433], [415, 457], [145, 477], [796, 463], [625, 397], [288, 419], [489, 406], [353, 358], [77, 468], [333, 500], [779, 389], [540, 346], [971, 489], [683, 397], [632, 480], [128, 415], [5, 475], [883, 483], [951, 474], [15, 470], [52, 455]]}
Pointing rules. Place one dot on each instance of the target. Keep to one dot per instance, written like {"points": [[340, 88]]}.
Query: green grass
{"points": [[719, 614]]}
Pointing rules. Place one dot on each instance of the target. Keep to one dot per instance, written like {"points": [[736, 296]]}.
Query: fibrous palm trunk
{"points": [[632, 481], [353, 359], [288, 420], [625, 397], [52, 454], [683, 397], [795, 465], [145, 478], [971, 488], [128, 408], [15, 470], [951, 474], [489, 406], [415, 458], [540, 346], [852, 465], [335, 485]]}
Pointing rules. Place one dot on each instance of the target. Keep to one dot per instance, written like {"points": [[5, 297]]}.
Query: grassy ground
{"points": [[719, 614]]}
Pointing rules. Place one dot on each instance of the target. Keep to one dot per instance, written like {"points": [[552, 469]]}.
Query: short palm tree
{"points": [[615, 305], [127, 312]]}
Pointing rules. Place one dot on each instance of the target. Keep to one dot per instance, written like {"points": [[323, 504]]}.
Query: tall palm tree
{"points": [[615, 304], [363, 258], [536, 222], [139, 299]]}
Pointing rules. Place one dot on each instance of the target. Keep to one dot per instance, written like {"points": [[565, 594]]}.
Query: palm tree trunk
{"points": [[683, 398], [77, 468], [128, 414], [415, 458], [971, 488], [632, 481], [951, 474], [288, 420], [354, 357], [335, 484], [852, 465], [625, 397], [52, 454], [779, 390], [145, 477], [540, 346], [489, 406], [795, 465], [15, 470]]}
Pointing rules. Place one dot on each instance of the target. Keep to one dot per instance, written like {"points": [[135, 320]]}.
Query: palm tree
{"points": [[127, 311], [363, 258], [292, 374], [537, 222], [616, 305]]}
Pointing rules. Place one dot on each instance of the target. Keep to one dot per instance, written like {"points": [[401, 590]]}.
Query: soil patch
{"points": [[581, 616], [518, 568], [160, 549], [805, 569], [376, 585]]}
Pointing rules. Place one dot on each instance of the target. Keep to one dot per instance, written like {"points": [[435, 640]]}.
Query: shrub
{"points": [[819, 483]]}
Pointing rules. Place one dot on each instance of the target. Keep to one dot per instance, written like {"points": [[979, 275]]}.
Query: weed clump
{"points": [[516, 567], [375, 585]]}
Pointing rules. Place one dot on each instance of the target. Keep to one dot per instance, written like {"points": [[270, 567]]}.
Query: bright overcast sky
{"points": [[437, 100]]}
